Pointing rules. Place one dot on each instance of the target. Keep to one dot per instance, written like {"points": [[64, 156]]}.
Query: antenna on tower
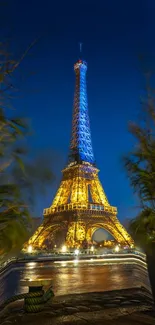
{"points": [[80, 47]]}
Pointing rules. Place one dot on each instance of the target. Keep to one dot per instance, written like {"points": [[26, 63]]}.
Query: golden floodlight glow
{"points": [[92, 249], [77, 252], [64, 249], [117, 249], [29, 249]]}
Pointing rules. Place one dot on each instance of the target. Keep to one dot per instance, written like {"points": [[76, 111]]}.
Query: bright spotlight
{"points": [[64, 249], [76, 252], [29, 249], [117, 249], [92, 249]]}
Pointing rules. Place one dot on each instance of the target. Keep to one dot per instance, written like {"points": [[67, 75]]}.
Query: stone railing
{"points": [[4, 265]]}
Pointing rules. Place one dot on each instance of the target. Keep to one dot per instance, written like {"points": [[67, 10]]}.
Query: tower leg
{"points": [[89, 235], [76, 234]]}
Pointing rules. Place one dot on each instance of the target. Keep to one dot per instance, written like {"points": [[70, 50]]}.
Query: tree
{"points": [[140, 168], [21, 178]]}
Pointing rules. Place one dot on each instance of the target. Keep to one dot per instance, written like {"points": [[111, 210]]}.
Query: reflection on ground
{"points": [[75, 277]]}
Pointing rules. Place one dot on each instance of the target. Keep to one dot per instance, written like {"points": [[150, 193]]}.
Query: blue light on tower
{"points": [[81, 145]]}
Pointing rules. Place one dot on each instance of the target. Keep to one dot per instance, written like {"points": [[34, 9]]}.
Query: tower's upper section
{"points": [[81, 145]]}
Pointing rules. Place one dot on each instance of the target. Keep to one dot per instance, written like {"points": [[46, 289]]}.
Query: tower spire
{"points": [[80, 47], [81, 144]]}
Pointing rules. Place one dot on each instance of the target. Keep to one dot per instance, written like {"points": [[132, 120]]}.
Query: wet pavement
{"points": [[75, 277], [129, 306]]}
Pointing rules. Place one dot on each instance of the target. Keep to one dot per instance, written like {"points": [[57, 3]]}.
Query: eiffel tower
{"points": [[80, 206]]}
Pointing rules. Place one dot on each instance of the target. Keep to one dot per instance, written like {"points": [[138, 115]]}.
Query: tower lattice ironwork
{"points": [[80, 205]]}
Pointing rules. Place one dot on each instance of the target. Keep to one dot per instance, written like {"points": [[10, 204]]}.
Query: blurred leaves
{"points": [[22, 177], [140, 167]]}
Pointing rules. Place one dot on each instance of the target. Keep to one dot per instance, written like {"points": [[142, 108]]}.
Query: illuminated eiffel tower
{"points": [[80, 206]]}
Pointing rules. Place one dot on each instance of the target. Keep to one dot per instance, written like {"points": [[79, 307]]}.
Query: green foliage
{"points": [[143, 228], [140, 168], [21, 178], [14, 214], [140, 163]]}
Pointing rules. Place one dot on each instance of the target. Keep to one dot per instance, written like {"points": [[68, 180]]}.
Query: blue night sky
{"points": [[113, 34]]}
